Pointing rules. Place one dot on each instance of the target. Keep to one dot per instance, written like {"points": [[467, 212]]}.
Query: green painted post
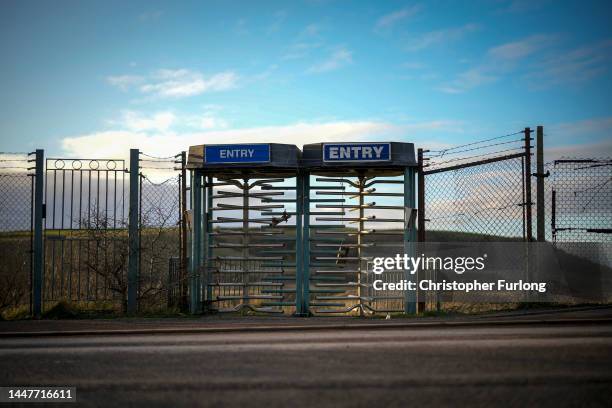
{"points": [[306, 243], [133, 236], [299, 251], [409, 236], [196, 243], [209, 218], [37, 270]]}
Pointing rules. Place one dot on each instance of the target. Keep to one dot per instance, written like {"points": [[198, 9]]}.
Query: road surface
{"points": [[536, 364]]}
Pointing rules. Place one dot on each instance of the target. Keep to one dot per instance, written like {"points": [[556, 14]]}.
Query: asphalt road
{"points": [[550, 365]]}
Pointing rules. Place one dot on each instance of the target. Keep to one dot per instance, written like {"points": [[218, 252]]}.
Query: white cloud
{"points": [[574, 66], [299, 50], [520, 49], [117, 143], [337, 59], [168, 83], [469, 79], [135, 121], [182, 83], [522, 6], [306, 41], [590, 128], [164, 141], [498, 62], [311, 30], [124, 82], [439, 36], [599, 150], [389, 20]]}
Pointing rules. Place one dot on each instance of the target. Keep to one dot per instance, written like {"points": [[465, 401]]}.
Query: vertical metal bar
{"points": [[38, 235], [89, 198], [209, 238], [133, 235], [97, 196], [523, 207], [80, 199], [31, 277], [71, 199], [106, 173], [553, 215], [360, 228], [196, 241], [54, 200], [140, 226], [245, 241], [183, 271], [409, 235], [540, 209], [63, 196], [528, 203], [300, 261], [115, 199], [203, 275], [420, 213], [305, 242], [421, 197]]}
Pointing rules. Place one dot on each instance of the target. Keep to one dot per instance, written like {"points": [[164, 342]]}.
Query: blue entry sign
{"points": [[237, 153], [356, 152]]}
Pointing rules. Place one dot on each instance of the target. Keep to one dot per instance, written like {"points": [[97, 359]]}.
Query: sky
{"points": [[91, 79]]}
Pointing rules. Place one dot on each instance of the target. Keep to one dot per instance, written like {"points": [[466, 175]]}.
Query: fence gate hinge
{"points": [[543, 175]]}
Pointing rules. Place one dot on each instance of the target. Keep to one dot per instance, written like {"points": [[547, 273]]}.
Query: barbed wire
{"points": [[159, 168], [475, 148], [474, 156], [145, 177], [160, 157], [477, 142]]}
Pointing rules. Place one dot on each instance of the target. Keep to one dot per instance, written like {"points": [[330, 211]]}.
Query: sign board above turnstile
{"points": [[237, 153], [356, 152], [389, 158], [260, 158]]}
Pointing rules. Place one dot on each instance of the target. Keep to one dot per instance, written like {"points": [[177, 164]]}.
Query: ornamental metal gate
{"points": [[85, 230]]}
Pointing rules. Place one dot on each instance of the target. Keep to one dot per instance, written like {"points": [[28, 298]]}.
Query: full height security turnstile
{"points": [[245, 235], [359, 203]]}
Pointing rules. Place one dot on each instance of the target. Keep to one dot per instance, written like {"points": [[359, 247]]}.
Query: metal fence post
{"points": [[209, 239], [421, 197], [540, 209], [183, 273], [38, 267], [133, 235], [420, 210], [196, 243], [299, 250], [306, 243], [409, 235], [528, 204]]}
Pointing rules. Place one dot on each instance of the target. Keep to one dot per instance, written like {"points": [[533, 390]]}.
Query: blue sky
{"points": [[92, 79]]}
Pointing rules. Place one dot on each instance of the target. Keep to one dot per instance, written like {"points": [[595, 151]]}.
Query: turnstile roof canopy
{"points": [[358, 157], [256, 158]]}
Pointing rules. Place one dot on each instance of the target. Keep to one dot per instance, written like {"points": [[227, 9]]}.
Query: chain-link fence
{"points": [[15, 233], [160, 232], [581, 207], [476, 192]]}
